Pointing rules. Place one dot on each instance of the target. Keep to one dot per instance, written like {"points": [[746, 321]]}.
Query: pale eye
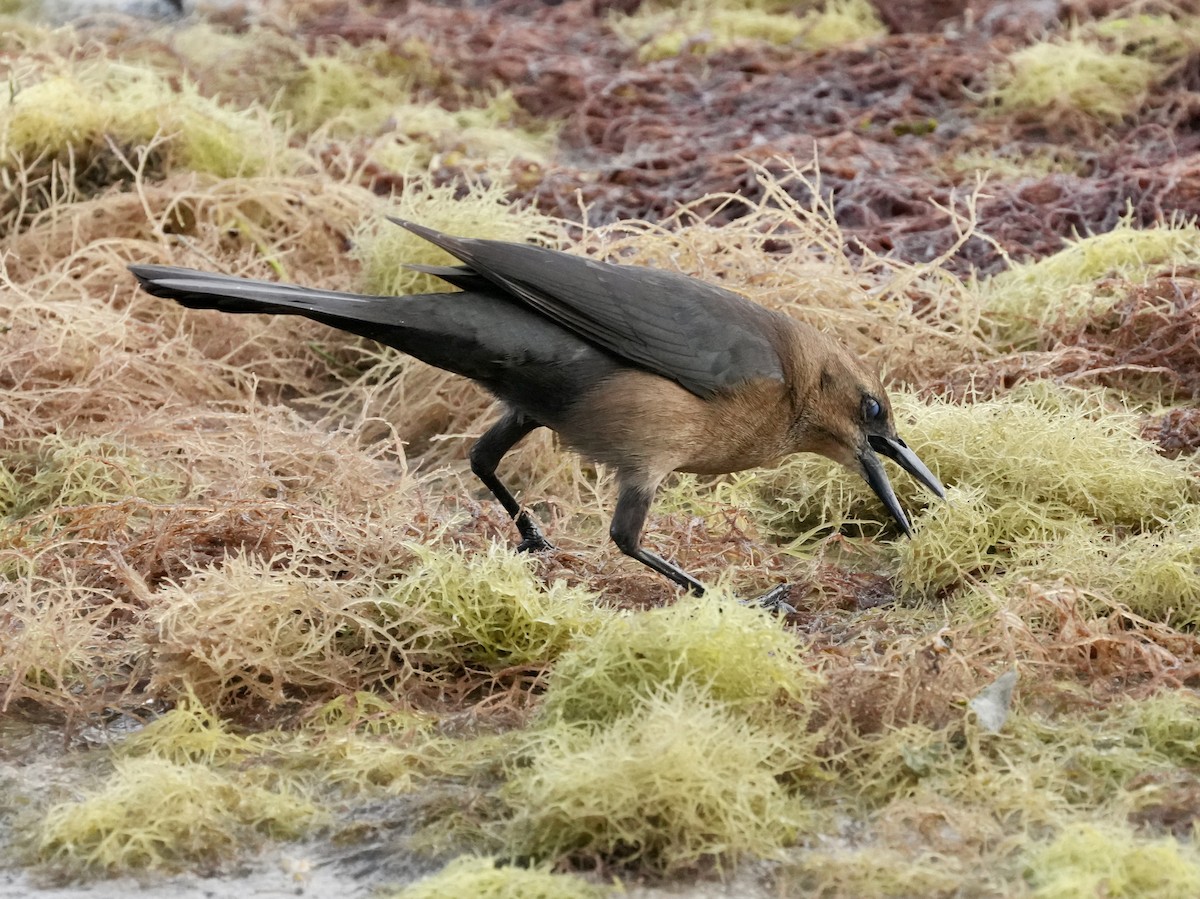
{"points": [[871, 408]]}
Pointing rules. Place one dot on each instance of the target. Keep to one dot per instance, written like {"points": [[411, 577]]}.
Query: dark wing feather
{"points": [[704, 337], [461, 276]]}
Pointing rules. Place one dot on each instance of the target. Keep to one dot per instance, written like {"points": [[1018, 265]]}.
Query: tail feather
{"points": [[477, 332], [204, 290]]}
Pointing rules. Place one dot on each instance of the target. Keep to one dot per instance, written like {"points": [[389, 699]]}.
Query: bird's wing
{"points": [[703, 337]]}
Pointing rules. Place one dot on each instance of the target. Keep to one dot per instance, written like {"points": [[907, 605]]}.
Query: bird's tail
{"points": [[475, 332], [204, 290]]}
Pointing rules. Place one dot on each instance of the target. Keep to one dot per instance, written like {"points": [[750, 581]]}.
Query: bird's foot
{"points": [[532, 540], [534, 544], [775, 600]]}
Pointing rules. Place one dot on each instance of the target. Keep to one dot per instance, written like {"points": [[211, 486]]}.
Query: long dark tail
{"points": [[477, 333], [204, 290]]}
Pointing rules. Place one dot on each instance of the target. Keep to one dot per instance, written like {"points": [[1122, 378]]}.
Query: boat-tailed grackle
{"points": [[643, 370]]}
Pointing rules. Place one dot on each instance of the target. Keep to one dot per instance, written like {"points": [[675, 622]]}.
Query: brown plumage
{"points": [[644, 370]]}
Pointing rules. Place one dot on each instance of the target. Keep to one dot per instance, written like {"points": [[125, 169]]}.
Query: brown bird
{"points": [[644, 370]]}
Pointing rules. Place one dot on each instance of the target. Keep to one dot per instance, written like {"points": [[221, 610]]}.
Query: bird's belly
{"points": [[639, 421]]}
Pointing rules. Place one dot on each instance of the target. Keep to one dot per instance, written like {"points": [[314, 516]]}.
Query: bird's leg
{"points": [[486, 455], [633, 503]]}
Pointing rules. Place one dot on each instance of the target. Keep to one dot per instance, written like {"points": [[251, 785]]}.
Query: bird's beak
{"points": [[896, 450]]}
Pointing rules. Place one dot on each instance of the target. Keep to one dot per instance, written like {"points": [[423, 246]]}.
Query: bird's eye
{"points": [[871, 408]]}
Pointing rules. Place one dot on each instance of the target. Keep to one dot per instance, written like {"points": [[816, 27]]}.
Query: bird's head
{"points": [[848, 418]]}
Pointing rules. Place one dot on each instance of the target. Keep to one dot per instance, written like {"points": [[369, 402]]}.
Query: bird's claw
{"points": [[775, 600], [535, 543], [532, 540]]}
